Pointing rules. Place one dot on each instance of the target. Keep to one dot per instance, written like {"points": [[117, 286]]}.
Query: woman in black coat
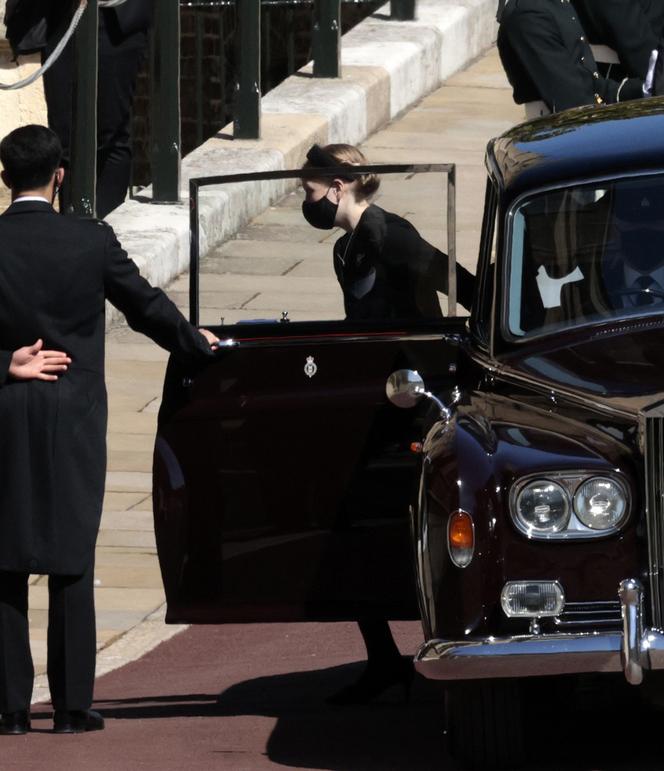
{"points": [[386, 271]]}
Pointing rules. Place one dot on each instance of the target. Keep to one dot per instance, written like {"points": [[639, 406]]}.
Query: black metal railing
{"points": [[253, 36]]}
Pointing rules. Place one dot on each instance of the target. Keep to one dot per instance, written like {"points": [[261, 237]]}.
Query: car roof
{"points": [[578, 144]]}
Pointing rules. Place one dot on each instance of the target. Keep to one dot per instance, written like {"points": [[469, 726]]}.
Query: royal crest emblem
{"points": [[310, 368]]}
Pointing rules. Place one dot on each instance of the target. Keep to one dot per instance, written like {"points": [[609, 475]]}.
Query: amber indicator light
{"points": [[461, 535]]}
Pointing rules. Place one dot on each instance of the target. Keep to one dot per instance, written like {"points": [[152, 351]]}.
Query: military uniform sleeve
{"points": [[147, 309], [5, 361], [560, 81], [625, 27]]}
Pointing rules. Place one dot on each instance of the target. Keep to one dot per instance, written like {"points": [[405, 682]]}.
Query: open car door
{"points": [[282, 474]]}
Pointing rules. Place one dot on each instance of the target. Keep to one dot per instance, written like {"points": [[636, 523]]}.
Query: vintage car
{"points": [[530, 457]]}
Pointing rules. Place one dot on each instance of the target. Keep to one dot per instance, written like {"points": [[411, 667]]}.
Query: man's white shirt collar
{"points": [[31, 198]]}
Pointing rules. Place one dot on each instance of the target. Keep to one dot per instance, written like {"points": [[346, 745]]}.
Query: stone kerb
{"points": [[387, 66]]}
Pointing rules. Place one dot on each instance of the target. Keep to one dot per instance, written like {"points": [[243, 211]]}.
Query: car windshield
{"points": [[586, 254]]}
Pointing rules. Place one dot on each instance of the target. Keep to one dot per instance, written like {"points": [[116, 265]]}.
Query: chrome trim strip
{"points": [[653, 433], [265, 342], [631, 651], [526, 656]]}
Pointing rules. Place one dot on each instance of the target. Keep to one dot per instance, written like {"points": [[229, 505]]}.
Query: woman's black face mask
{"points": [[321, 213], [643, 249]]}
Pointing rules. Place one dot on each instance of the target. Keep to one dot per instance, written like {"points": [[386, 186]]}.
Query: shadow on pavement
{"points": [[388, 734], [580, 728]]}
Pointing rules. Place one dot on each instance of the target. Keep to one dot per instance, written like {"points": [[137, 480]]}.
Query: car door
{"points": [[282, 475]]}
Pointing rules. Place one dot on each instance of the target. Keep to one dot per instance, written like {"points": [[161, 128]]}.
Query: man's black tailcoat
{"points": [[546, 56], [633, 28], [55, 275]]}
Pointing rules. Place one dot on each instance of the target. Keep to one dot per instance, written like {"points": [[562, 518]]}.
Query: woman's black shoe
{"points": [[77, 721], [375, 681], [15, 723]]}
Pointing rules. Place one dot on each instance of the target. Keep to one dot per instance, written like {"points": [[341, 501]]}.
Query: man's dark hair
{"points": [[30, 155]]}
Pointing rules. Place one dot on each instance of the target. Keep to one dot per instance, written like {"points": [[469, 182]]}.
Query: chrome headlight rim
{"points": [[572, 480]]}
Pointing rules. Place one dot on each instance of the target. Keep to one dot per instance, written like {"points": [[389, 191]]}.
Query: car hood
{"points": [[619, 367]]}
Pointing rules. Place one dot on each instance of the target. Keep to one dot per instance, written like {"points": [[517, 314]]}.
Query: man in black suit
{"points": [[546, 56], [123, 37], [55, 275], [633, 28]]}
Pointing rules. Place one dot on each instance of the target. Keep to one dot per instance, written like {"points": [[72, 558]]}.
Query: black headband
{"points": [[321, 159]]}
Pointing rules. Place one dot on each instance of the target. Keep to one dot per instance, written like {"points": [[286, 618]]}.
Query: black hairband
{"points": [[321, 159]]}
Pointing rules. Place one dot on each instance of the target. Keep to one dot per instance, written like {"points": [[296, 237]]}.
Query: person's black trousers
{"points": [[71, 641], [120, 59]]}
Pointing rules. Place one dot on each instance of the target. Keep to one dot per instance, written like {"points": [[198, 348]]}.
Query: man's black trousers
{"points": [[120, 59], [71, 641]]}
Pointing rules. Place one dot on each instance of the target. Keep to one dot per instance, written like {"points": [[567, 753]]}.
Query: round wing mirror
{"points": [[405, 388]]}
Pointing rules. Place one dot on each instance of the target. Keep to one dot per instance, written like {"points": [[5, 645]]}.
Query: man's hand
{"points": [[32, 363], [210, 337]]}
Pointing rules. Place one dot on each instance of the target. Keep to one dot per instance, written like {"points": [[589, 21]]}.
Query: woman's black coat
{"points": [[388, 271], [55, 275]]}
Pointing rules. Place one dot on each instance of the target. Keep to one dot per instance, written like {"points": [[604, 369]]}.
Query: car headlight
{"points": [[600, 503], [543, 506], [569, 505]]}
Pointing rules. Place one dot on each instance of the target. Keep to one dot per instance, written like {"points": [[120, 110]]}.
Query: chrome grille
{"points": [[653, 446], [589, 614]]}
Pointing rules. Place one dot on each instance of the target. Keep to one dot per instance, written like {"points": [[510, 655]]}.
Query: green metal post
{"points": [[247, 123], [326, 38], [83, 142], [198, 57], [403, 10], [166, 145]]}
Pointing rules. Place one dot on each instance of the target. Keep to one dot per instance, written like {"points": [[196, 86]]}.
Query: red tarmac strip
{"points": [[252, 697], [246, 698]]}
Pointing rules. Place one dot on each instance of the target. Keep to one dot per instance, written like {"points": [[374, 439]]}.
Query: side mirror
{"points": [[405, 388]]}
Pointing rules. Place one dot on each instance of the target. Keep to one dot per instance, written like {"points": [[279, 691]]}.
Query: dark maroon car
{"points": [[531, 456]]}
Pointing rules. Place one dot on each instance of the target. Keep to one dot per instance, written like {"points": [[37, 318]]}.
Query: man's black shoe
{"points": [[77, 721], [14, 723]]}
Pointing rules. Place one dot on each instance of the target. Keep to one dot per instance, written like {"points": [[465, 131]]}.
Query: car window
{"points": [[392, 267], [585, 254]]}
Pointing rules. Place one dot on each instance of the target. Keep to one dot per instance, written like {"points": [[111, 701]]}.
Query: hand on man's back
{"points": [[33, 363]]}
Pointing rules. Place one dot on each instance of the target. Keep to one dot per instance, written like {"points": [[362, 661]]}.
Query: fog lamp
{"points": [[461, 538], [532, 599]]}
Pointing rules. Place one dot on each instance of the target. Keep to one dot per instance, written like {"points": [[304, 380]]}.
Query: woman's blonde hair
{"points": [[349, 155]]}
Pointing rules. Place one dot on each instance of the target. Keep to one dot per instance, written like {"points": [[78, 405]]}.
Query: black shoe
{"points": [[77, 721], [376, 681], [15, 723]]}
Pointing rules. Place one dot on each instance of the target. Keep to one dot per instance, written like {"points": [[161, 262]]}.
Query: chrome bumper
{"points": [[630, 651]]}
